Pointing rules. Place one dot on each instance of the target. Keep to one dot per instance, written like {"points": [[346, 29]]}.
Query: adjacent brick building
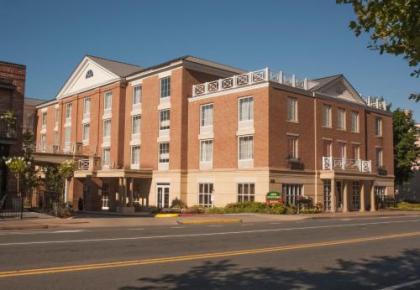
{"points": [[12, 90], [210, 134]]}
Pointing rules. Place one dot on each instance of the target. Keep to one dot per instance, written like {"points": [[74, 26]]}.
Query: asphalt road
{"points": [[368, 253]]}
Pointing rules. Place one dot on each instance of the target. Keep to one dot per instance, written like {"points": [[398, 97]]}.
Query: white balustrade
{"points": [[330, 163], [249, 78]]}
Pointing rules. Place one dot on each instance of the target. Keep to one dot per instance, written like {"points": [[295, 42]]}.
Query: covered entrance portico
{"points": [[119, 190], [348, 192]]}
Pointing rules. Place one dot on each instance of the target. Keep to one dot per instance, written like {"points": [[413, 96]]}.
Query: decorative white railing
{"points": [[377, 103], [250, 78], [91, 163], [83, 164], [330, 163]]}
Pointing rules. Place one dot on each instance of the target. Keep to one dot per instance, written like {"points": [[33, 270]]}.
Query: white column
{"points": [[345, 197], [66, 190], [333, 196], [372, 198], [362, 196]]}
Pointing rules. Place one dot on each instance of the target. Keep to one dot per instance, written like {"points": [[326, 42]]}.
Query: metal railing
{"points": [[253, 77], [330, 163], [91, 164]]}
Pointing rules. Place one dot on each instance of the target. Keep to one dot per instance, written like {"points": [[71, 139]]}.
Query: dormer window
{"points": [[89, 74]]}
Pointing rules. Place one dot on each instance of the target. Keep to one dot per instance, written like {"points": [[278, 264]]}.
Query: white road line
{"points": [[203, 234], [136, 229], [67, 231], [402, 285], [177, 227]]}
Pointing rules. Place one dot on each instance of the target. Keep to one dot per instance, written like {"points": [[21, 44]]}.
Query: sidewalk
{"points": [[41, 221]]}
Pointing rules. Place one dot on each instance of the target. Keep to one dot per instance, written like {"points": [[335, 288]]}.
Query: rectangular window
{"points": [[107, 101], [378, 127], [292, 193], [246, 144], [355, 122], [44, 120], [106, 157], [86, 107], [164, 120], [137, 90], [135, 124], [342, 150], [326, 116], [165, 87], [292, 147], [246, 192], [327, 148], [356, 152], [327, 194], [67, 135], [86, 133], [43, 144], [57, 116], [341, 119], [292, 109], [135, 155], [56, 138], [107, 128], [205, 191], [206, 151], [246, 109], [69, 107], [164, 152], [206, 115], [379, 157]]}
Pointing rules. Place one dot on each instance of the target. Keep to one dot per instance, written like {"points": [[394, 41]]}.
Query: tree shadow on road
{"points": [[372, 273]]}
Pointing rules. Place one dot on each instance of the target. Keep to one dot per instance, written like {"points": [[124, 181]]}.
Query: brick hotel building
{"points": [[210, 134]]}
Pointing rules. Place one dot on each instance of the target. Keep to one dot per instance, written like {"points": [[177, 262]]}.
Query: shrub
{"points": [[177, 203], [251, 207]]}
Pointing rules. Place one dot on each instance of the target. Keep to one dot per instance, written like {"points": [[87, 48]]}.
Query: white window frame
{"points": [[292, 191], [378, 126], [44, 120], [250, 137], [341, 119], [292, 109], [329, 147], [137, 95], [86, 107], [85, 135], [133, 120], [69, 109], [249, 115], [165, 87], [43, 142], [67, 137], [245, 192], [163, 155], [205, 194], [135, 160], [293, 149], [342, 145], [379, 156], [206, 157], [354, 122], [106, 134], [326, 118], [107, 108], [164, 122], [106, 162], [204, 122], [356, 151]]}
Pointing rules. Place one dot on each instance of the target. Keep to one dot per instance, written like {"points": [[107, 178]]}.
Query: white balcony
{"points": [[254, 77], [330, 163]]}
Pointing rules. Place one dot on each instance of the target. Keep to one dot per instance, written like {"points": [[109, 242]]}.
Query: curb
{"points": [[28, 227], [362, 216], [209, 221], [166, 215]]}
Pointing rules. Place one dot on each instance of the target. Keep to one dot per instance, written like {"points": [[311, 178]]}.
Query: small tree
{"points": [[57, 176], [405, 149], [18, 166]]}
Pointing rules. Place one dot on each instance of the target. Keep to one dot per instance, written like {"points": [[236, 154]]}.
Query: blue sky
{"points": [[308, 38]]}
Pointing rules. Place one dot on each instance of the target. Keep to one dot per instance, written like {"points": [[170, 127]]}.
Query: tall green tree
{"points": [[406, 151], [393, 26]]}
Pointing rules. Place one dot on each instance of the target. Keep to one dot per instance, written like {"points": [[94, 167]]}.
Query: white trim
{"points": [[247, 179], [135, 83], [165, 74], [206, 135], [165, 103], [163, 138], [43, 110], [292, 134]]}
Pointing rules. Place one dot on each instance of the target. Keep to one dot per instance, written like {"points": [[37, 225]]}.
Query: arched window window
{"points": [[89, 74]]}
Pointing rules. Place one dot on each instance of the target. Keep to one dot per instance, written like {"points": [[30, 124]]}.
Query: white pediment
{"points": [[342, 89], [88, 75]]}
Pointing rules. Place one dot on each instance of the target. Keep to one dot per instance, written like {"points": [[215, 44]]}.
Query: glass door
{"points": [[163, 195]]}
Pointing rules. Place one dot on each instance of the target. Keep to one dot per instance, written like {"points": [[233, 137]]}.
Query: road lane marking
{"points": [[178, 227], [67, 231], [402, 285], [97, 240], [203, 256]]}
